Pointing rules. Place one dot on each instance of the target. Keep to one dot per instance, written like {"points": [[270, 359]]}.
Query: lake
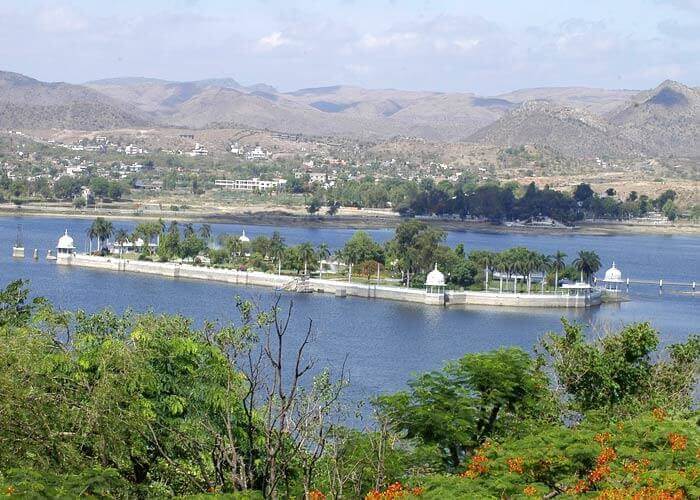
{"points": [[384, 341]]}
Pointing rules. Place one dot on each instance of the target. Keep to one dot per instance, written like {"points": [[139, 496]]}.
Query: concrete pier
{"points": [[340, 288]]}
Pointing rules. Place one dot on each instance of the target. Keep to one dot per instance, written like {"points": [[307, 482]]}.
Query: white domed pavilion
{"points": [[613, 278], [65, 247], [435, 281], [243, 238]]}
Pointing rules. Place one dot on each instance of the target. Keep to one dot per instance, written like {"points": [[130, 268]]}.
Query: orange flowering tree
{"points": [[642, 457]]}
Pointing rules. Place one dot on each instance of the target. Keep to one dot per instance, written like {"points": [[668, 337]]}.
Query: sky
{"points": [[482, 46]]}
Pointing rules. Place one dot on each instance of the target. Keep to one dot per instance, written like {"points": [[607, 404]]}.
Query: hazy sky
{"points": [[487, 47]]}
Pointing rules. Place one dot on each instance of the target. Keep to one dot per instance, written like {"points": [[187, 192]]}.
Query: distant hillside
{"points": [[572, 132], [666, 119], [340, 110], [29, 103], [597, 101], [575, 121]]}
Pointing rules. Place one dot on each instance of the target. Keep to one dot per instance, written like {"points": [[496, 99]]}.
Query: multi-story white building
{"points": [[249, 184], [133, 150], [199, 150], [256, 154]]}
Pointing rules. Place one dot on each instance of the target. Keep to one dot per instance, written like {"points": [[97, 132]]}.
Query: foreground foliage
{"points": [[146, 405]]}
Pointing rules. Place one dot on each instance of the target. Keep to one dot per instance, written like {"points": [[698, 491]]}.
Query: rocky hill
{"points": [[572, 132], [665, 119], [341, 110], [575, 121], [29, 103], [597, 101]]}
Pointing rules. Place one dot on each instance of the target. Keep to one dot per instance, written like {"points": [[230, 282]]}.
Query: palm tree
{"points": [[189, 230], [306, 253], [107, 230], [101, 229], [323, 253], [587, 263], [121, 237], [545, 262], [92, 233], [278, 251], [530, 263], [161, 227], [558, 263], [205, 232]]}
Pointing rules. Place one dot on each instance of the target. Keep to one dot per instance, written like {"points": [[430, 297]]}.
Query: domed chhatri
{"points": [[435, 282], [65, 247], [243, 238], [613, 275]]}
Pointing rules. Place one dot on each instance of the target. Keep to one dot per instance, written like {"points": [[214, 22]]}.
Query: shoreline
{"points": [[339, 288], [281, 217]]}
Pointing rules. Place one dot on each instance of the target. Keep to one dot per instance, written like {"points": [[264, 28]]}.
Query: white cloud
{"points": [[273, 41], [57, 19], [466, 44], [391, 40], [687, 5], [358, 69]]}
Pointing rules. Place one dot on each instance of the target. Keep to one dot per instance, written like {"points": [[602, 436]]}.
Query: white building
{"points": [[435, 282], [198, 150], [256, 154], [65, 248], [133, 150], [613, 279], [254, 184]]}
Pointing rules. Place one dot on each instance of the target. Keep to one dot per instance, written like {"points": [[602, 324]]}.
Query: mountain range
{"points": [[576, 121]]}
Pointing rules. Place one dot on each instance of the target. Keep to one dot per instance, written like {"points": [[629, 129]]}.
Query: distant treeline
{"points": [[495, 202], [68, 188]]}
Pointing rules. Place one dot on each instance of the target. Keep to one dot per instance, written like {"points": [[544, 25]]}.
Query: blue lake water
{"points": [[384, 341]]}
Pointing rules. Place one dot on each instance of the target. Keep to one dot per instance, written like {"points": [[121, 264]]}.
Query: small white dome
{"points": [[65, 241], [243, 238], [139, 242], [435, 278], [613, 275]]}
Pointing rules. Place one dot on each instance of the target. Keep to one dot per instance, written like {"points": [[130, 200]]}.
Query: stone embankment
{"points": [[337, 287]]}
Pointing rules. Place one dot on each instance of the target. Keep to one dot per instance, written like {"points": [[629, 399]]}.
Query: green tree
{"points": [[617, 372], [587, 263], [361, 247], [477, 397], [121, 236], [558, 263], [670, 210], [306, 254]]}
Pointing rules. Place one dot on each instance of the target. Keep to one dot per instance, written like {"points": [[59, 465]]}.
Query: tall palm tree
{"points": [[545, 262], [306, 253], [557, 263], [189, 230], [278, 250], [323, 252], [587, 263], [101, 229], [121, 236], [106, 230], [530, 264], [205, 232], [92, 233], [161, 227]]}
